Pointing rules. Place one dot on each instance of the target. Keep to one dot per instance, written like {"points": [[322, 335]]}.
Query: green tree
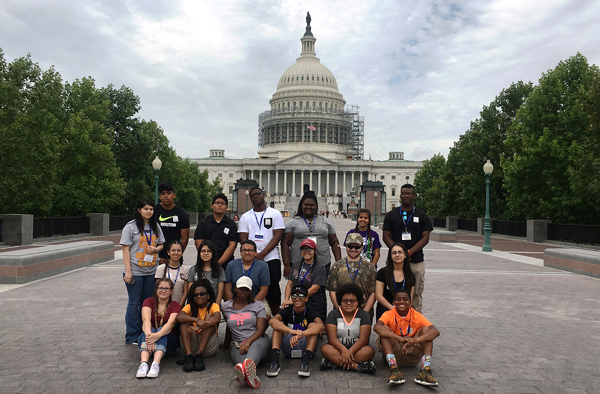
{"points": [[545, 146], [87, 173], [464, 177], [31, 119], [430, 186]]}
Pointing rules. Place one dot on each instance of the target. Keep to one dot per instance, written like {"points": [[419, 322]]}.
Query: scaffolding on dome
{"points": [[357, 136], [289, 126]]}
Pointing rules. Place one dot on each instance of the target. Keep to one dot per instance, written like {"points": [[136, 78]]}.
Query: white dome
{"points": [[307, 71]]}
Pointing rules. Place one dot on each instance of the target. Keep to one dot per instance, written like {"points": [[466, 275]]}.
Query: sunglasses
{"points": [[354, 247], [200, 294], [298, 296]]}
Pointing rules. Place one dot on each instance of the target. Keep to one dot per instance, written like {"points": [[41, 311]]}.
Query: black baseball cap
{"points": [[300, 288]]}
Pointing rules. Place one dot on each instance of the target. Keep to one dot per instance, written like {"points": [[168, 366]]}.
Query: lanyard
{"points": [[305, 273], [250, 270], [400, 328], [356, 273], [406, 221], [311, 227], [396, 287], [259, 224], [298, 326], [169, 274], [149, 239]]}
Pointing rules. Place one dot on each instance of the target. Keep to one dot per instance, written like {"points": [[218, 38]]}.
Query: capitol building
{"points": [[310, 139]]}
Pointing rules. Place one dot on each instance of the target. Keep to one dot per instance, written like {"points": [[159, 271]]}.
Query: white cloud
{"points": [[419, 70]]}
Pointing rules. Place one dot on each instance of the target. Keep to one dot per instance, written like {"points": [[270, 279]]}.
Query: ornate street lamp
{"points": [[247, 194], [375, 195], [157, 165], [487, 227]]}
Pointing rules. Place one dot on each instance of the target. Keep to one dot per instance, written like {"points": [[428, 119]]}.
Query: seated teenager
{"points": [[348, 331], [247, 321], [312, 274], [295, 331], [405, 338], [199, 320], [159, 314]]}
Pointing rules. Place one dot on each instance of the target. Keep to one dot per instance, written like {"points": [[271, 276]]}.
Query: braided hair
{"points": [[158, 282]]}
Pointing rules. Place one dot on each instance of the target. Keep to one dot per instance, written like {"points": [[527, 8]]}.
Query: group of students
{"points": [[240, 291]]}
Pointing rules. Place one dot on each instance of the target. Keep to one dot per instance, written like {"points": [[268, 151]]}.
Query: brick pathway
{"points": [[508, 325]]}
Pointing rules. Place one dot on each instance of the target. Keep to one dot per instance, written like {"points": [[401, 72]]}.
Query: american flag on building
{"points": [[311, 127]]}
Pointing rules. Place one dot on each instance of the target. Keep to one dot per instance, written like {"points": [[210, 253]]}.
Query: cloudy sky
{"points": [[419, 70]]}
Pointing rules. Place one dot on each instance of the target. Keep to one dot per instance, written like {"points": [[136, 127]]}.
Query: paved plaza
{"points": [[508, 325]]}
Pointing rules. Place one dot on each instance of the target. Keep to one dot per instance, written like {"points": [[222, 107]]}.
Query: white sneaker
{"points": [[154, 370], [142, 371]]}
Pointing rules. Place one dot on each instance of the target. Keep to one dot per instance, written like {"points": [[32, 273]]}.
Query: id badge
{"points": [[415, 219], [175, 219], [406, 237], [226, 230], [258, 237], [148, 258], [297, 353]]}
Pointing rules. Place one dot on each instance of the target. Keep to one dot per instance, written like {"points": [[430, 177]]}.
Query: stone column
{"points": [[319, 187], [352, 184], [310, 180], [336, 183], [269, 181], [99, 223], [285, 182], [359, 181], [301, 182], [17, 229], [327, 189], [276, 182], [344, 181], [537, 230], [294, 182], [260, 184]]}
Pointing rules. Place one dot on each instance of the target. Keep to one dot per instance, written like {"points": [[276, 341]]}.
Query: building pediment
{"points": [[306, 158]]}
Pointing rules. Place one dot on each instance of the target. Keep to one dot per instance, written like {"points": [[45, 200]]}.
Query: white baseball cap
{"points": [[244, 281]]}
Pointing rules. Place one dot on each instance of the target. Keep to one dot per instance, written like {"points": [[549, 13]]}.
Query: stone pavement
{"points": [[508, 325]]}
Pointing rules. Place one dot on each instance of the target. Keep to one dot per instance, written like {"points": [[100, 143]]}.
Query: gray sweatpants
{"points": [[258, 352]]}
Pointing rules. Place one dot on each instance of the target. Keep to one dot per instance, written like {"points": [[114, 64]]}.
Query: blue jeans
{"points": [[168, 343], [142, 288]]}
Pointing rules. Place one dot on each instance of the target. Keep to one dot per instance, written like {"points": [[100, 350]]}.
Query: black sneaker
{"points": [[188, 364], [326, 365], [304, 371], [366, 367], [199, 363], [274, 369]]}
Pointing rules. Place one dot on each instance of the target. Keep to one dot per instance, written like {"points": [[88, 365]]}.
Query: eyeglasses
{"points": [[164, 289], [247, 250], [219, 203], [253, 195], [349, 302], [306, 249], [200, 294], [401, 252], [298, 296], [355, 247], [206, 251]]}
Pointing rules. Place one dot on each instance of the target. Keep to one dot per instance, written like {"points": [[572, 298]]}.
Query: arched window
{"points": [[300, 104], [314, 105], [313, 77], [307, 106]]}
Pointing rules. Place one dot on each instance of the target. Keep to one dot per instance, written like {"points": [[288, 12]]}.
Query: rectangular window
{"points": [[220, 175], [393, 191], [231, 175], [382, 177], [393, 176], [230, 189]]}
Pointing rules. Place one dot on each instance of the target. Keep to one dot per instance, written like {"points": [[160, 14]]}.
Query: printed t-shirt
{"points": [[260, 226], [417, 223], [348, 334], [174, 307], [259, 273], [320, 234], [302, 273], [220, 233], [214, 308], [395, 322], [361, 272], [171, 222], [297, 321], [177, 279], [242, 322], [192, 276], [369, 245], [138, 243]]}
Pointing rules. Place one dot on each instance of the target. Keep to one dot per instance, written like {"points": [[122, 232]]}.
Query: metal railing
{"points": [[439, 222], [517, 229], [467, 224], [48, 227], [118, 222], [581, 234]]}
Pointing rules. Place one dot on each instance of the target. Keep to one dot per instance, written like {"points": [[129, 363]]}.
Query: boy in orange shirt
{"points": [[405, 338]]}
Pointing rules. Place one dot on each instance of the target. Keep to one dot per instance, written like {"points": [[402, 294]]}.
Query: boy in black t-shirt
{"points": [[172, 219], [296, 330]]}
